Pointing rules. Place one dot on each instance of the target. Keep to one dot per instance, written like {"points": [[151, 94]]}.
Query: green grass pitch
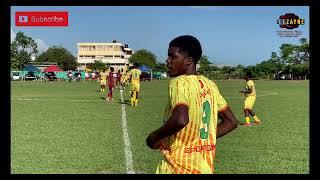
{"points": [[61, 127]]}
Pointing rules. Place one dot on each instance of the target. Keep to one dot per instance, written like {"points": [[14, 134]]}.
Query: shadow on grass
{"points": [[126, 102]]}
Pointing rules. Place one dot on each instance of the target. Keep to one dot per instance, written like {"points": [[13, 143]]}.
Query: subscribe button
{"points": [[41, 18]]}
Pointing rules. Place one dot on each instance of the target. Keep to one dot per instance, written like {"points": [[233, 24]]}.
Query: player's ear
{"points": [[188, 61]]}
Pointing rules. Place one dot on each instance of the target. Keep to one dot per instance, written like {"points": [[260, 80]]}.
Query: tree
{"points": [[306, 70], [295, 54], [250, 70], [276, 61], [293, 59], [60, 55], [287, 53], [160, 67], [266, 69], [143, 57], [21, 50], [239, 72], [228, 71], [204, 64], [98, 65], [303, 50]]}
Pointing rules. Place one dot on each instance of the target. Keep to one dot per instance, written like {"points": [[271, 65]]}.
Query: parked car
{"points": [[50, 76], [30, 76], [145, 76], [15, 75]]}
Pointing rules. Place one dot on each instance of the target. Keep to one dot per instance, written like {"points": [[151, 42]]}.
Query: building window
{"points": [[116, 48]]}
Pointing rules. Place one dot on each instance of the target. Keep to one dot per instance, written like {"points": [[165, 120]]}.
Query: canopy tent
{"points": [[30, 68], [52, 68], [145, 68]]}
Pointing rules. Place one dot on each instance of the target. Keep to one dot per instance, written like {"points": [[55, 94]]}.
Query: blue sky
{"points": [[229, 35]]}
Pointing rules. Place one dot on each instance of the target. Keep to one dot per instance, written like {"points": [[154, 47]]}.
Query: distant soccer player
{"points": [[118, 82], [110, 84], [187, 139], [115, 78], [127, 78], [123, 79], [103, 80], [69, 73], [250, 93], [135, 84]]}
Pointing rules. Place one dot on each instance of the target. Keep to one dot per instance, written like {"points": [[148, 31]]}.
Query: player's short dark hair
{"points": [[111, 69], [135, 65], [248, 75], [188, 44]]}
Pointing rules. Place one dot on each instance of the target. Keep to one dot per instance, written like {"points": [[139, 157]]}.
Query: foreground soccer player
{"points": [[135, 84], [250, 93], [187, 139]]}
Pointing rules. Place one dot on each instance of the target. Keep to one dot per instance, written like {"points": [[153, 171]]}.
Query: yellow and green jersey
{"points": [[192, 149], [250, 85], [103, 75], [135, 75]]}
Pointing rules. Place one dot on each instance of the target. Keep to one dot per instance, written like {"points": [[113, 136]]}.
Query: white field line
{"points": [[36, 99], [126, 138], [241, 96], [88, 100], [127, 150]]}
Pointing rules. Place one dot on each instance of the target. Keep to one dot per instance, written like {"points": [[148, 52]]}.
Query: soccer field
{"points": [[61, 127]]}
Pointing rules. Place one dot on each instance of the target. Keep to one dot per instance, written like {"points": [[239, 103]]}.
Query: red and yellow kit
{"points": [[192, 149]]}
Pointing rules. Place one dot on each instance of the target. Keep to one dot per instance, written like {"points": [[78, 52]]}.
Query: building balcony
{"points": [[104, 60]]}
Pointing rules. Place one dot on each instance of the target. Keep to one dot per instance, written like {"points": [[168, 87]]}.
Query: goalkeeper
{"points": [[250, 93]]}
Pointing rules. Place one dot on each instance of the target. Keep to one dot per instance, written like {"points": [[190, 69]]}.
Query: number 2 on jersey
{"points": [[205, 120]]}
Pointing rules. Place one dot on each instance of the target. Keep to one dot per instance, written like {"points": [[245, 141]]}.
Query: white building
{"points": [[114, 54]]}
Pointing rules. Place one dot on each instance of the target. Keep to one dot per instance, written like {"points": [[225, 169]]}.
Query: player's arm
{"points": [[249, 91], [178, 120], [246, 91], [228, 122]]}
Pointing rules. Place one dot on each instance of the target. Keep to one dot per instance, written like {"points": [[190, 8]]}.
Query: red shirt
{"points": [[110, 80]]}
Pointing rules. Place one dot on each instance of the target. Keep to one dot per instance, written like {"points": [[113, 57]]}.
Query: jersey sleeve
{"points": [[179, 93]]}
